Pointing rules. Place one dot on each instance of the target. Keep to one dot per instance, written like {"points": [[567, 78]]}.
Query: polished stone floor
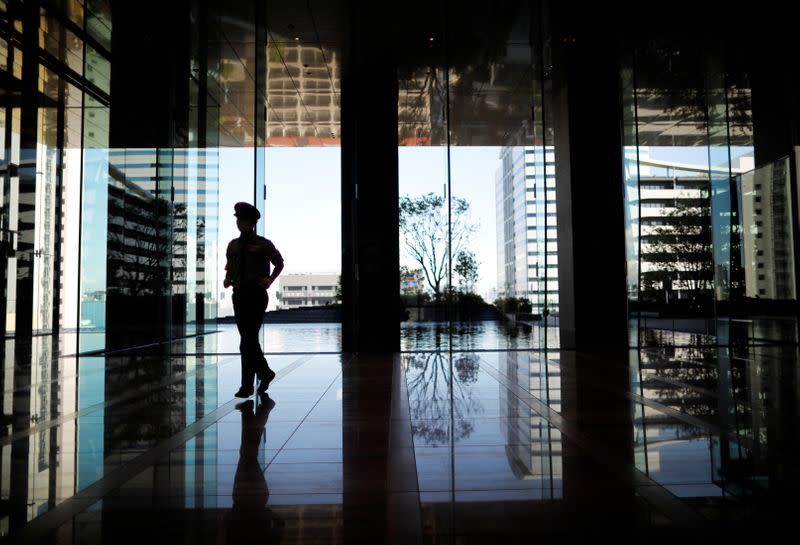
{"points": [[426, 447]]}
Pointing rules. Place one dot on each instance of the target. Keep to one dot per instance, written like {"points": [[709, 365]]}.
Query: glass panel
{"points": [[46, 201], [73, 9], [213, 248], [545, 179], [207, 231], [490, 107], [9, 217], [630, 165], [767, 252], [293, 172], [70, 208], [715, 252], [94, 226], [60, 42], [98, 69], [492, 112], [98, 21], [498, 225], [676, 296], [4, 51], [423, 181], [138, 246], [424, 229]]}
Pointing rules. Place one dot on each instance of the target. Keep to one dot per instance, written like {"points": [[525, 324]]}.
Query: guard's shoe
{"points": [[244, 392], [266, 403], [264, 384], [245, 406]]}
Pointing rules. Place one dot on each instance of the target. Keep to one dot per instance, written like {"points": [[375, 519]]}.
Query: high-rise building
{"points": [[527, 247], [766, 234]]}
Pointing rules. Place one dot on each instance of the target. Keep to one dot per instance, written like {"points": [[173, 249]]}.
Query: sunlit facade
{"points": [[527, 231]]}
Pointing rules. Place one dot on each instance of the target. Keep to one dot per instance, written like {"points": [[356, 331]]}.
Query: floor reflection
{"points": [[476, 443], [250, 516], [711, 415], [477, 335]]}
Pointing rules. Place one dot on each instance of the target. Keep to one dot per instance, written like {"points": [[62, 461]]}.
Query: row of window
{"points": [[305, 288]]}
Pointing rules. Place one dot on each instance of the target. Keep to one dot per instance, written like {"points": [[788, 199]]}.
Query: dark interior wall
{"points": [[370, 216], [149, 109], [149, 89], [588, 140]]}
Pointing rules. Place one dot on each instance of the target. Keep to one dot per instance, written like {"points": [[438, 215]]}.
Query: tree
{"points": [[680, 250], [467, 269], [338, 295], [424, 226]]}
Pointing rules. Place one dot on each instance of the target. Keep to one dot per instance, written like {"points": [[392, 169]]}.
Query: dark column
{"points": [[366, 409], [587, 113], [588, 151], [149, 110], [149, 79], [20, 420], [370, 246], [26, 249], [597, 475]]}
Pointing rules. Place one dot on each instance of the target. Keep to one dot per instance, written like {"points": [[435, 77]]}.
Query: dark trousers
{"points": [[249, 304]]}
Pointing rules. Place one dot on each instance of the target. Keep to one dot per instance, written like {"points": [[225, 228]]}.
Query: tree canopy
{"points": [[424, 227]]}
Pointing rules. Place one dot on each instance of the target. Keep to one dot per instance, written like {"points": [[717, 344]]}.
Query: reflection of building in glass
{"points": [[303, 87], [677, 379], [163, 201], [766, 234], [527, 247], [420, 111], [533, 446], [676, 221], [307, 290]]}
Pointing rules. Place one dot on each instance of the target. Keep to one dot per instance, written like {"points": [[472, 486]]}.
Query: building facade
{"points": [[527, 244], [297, 290]]}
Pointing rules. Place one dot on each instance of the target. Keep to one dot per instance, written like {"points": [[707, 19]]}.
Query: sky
{"points": [[303, 208]]}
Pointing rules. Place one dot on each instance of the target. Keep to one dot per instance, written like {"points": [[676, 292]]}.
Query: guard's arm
{"points": [[276, 259]]}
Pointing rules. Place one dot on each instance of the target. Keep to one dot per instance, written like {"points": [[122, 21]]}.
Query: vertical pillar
{"points": [[370, 217], [587, 114], [587, 117]]}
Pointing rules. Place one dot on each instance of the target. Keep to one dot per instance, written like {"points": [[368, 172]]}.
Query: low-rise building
{"points": [[307, 290]]}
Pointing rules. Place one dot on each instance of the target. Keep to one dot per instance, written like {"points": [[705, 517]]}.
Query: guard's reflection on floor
{"points": [[250, 518]]}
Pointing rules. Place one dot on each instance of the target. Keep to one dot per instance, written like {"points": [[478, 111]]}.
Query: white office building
{"points": [[306, 290], [527, 246]]}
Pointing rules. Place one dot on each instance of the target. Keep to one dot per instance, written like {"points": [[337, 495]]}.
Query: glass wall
{"points": [[479, 260], [157, 206], [426, 247], [53, 87], [118, 244], [703, 265], [94, 226]]}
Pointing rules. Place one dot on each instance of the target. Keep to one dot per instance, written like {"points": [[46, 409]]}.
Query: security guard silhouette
{"points": [[248, 271]]}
